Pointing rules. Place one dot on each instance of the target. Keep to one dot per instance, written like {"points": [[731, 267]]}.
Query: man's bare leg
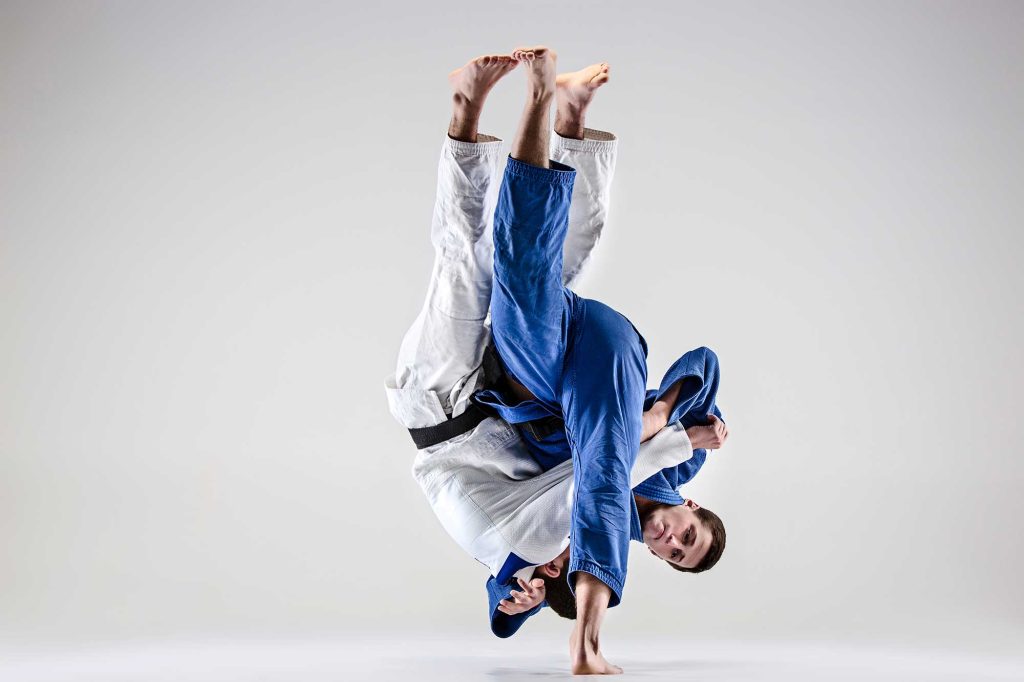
{"points": [[574, 90], [533, 136], [471, 84]]}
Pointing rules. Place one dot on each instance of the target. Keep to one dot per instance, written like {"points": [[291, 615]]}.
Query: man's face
{"points": [[675, 534]]}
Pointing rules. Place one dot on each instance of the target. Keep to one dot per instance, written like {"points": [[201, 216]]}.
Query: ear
{"points": [[550, 569], [691, 504]]}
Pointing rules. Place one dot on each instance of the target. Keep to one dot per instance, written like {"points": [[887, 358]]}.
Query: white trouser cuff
{"points": [[485, 145], [594, 141]]}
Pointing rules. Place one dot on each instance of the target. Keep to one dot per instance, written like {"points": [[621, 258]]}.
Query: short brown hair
{"points": [[714, 524], [558, 595]]}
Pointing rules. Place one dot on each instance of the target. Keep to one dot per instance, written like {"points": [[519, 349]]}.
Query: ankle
{"points": [[569, 126], [464, 109], [539, 96], [570, 131], [571, 116], [465, 120]]}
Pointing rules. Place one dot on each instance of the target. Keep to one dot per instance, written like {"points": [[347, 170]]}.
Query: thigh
{"points": [[441, 353], [530, 308]]}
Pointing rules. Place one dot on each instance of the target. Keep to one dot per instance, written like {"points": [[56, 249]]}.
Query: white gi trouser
{"points": [[485, 488]]}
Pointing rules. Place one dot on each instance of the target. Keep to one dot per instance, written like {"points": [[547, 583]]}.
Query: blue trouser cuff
{"points": [[558, 174], [602, 574]]}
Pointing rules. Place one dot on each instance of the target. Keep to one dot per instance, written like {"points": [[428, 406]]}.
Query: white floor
{"points": [[424, 660]]}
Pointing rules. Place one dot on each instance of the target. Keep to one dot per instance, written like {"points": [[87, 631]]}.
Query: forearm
{"points": [[656, 418], [592, 597]]}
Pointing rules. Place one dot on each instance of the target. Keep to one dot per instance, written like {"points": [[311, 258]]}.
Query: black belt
{"points": [[543, 427], [467, 421], [456, 426]]}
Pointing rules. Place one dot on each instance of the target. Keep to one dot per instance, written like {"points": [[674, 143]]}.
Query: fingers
{"points": [[524, 598], [519, 602], [511, 608], [534, 589], [719, 430]]}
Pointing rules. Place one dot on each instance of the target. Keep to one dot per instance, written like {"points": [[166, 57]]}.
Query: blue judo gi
{"points": [[585, 364]]}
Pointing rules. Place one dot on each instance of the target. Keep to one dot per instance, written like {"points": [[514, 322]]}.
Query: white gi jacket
{"points": [[493, 499]]}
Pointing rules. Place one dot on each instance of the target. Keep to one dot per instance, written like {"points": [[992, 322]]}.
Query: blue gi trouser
{"points": [[581, 360]]}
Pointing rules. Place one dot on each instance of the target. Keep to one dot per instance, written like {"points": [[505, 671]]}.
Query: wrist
{"points": [[584, 638]]}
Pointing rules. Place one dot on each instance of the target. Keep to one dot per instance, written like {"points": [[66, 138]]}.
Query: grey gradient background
{"points": [[214, 231]]}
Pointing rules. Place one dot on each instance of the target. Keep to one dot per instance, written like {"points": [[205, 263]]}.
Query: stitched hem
{"points": [[594, 141], [558, 174], [601, 574], [485, 144]]}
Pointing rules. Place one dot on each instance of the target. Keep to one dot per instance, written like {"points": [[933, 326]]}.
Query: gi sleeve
{"points": [[698, 370], [606, 376]]}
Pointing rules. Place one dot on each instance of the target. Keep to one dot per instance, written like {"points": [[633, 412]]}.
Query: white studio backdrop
{"points": [[214, 231]]}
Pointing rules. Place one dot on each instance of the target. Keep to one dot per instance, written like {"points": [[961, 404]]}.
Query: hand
{"points": [[711, 436], [586, 658], [521, 602]]}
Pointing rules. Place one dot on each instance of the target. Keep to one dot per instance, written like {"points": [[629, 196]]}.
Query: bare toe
{"points": [[577, 88], [474, 80]]}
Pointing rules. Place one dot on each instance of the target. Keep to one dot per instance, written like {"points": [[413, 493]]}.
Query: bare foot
{"points": [[472, 82], [540, 77], [577, 88]]}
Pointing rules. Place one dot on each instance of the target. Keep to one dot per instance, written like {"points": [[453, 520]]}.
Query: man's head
{"points": [[556, 588], [688, 537]]}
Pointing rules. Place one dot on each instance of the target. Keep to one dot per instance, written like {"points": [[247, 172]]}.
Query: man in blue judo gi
{"points": [[489, 482], [574, 359]]}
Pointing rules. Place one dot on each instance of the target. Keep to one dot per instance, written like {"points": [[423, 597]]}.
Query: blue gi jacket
{"points": [[698, 371]]}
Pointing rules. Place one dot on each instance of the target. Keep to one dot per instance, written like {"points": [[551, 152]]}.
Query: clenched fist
{"points": [[710, 436]]}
